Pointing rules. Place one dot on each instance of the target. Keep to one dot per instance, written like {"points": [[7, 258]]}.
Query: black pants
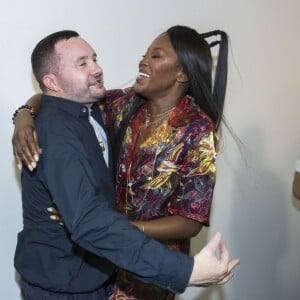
{"points": [[30, 292]]}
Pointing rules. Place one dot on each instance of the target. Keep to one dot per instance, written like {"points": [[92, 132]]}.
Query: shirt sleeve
{"points": [[90, 217], [197, 178]]}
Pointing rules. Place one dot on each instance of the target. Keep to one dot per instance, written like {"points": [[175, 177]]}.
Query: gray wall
{"points": [[253, 206]]}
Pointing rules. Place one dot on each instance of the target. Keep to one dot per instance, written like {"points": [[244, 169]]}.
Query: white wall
{"points": [[253, 206]]}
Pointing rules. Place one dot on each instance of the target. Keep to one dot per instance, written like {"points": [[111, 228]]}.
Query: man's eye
{"points": [[83, 64]]}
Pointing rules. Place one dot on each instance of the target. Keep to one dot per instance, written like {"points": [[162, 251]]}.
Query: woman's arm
{"points": [[170, 227], [191, 208], [296, 181], [198, 171], [25, 141], [296, 185]]}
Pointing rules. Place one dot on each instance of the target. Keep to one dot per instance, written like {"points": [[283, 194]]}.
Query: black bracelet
{"points": [[27, 107]]}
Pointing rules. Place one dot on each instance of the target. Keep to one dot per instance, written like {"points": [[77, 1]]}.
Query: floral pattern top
{"points": [[172, 173]]}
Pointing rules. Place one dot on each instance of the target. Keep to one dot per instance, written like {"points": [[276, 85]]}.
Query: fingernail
{"points": [[50, 209], [36, 157], [33, 165], [30, 167], [52, 217], [19, 166]]}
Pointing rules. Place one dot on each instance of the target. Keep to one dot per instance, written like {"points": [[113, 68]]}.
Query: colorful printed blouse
{"points": [[172, 173]]}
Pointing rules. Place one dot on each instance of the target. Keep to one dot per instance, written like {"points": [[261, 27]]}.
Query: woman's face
{"points": [[158, 70]]}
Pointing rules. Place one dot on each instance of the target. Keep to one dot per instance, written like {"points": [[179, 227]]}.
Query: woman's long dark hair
{"points": [[194, 54]]}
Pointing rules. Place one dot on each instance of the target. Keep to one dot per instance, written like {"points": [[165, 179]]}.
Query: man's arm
{"points": [[79, 183], [87, 208]]}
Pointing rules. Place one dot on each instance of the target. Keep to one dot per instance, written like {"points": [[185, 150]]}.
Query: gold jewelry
{"points": [[149, 123], [100, 139], [162, 114], [162, 117]]}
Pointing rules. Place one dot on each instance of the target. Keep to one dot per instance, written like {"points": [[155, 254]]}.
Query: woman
{"points": [[164, 135], [296, 180]]}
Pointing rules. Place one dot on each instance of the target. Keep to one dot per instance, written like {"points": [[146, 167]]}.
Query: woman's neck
{"points": [[157, 107]]}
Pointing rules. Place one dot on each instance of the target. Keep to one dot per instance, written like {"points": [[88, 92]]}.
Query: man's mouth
{"points": [[97, 82]]}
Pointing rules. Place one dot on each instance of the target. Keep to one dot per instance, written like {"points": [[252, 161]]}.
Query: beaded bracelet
{"points": [[27, 107]]}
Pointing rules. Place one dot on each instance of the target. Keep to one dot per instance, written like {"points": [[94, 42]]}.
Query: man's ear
{"points": [[50, 82], [182, 78]]}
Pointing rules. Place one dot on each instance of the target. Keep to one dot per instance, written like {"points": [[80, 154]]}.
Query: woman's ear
{"points": [[182, 78], [51, 83]]}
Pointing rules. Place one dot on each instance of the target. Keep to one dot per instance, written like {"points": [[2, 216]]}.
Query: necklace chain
{"points": [[161, 114], [157, 122], [98, 134], [162, 117]]}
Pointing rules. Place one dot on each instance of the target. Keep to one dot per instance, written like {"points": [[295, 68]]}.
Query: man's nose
{"points": [[96, 69]]}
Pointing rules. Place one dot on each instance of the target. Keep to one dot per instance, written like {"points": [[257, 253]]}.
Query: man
{"points": [[77, 260]]}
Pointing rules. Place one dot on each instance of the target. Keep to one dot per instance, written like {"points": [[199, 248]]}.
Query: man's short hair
{"points": [[43, 58]]}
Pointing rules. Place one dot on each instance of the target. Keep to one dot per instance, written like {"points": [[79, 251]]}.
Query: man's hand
{"points": [[211, 267]]}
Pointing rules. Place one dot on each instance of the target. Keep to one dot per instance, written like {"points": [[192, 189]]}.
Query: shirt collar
{"points": [[74, 108]]}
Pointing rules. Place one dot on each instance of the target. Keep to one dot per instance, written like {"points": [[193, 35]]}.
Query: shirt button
{"points": [[84, 109]]}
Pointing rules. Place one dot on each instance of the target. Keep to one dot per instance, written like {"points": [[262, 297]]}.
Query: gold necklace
{"points": [[161, 114], [157, 122], [162, 117]]}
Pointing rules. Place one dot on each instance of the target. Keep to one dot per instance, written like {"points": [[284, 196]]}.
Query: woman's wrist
{"points": [[25, 107], [140, 225]]}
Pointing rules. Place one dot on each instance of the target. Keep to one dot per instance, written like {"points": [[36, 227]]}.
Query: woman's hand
{"points": [[55, 215], [25, 141]]}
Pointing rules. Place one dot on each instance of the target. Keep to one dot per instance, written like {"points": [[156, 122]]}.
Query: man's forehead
{"points": [[74, 46]]}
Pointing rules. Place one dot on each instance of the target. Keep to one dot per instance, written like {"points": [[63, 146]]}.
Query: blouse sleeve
{"points": [[197, 178], [113, 104]]}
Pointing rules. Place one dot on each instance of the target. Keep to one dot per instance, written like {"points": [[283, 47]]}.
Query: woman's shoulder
{"points": [[189, 115], [114, 94]]}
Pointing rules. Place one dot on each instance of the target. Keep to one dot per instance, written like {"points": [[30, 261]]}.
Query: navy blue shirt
{"points": [[72, 174]]}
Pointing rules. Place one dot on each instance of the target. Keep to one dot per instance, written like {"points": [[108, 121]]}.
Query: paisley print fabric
{"points": [[172, 173]]}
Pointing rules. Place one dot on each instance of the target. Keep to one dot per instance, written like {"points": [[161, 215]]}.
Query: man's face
{"points": [[79, 78]]}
